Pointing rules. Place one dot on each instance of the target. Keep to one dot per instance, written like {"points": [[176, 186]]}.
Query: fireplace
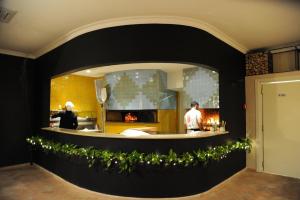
{"points": [[210, 116], [130, 116]]}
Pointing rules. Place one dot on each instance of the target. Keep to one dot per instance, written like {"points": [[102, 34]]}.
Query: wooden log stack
{"points": [[257, 63]]}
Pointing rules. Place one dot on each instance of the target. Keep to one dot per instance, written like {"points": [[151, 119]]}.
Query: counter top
{"points": [[198, 134]]}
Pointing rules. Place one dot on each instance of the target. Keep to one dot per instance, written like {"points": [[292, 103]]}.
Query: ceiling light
{"points": [[88, 71], [287, 81]]}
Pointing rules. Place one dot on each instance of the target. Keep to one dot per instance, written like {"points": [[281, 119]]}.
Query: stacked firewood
{"points": [[257, 63]]}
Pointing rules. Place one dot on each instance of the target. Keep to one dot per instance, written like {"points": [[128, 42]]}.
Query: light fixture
{"points": [[88, 71], [287, 81]]}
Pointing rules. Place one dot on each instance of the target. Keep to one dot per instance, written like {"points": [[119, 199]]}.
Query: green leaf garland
{"points": [[126, 162]]}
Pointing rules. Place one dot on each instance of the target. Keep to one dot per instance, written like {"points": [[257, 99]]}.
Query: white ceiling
{"points": [[100, 71], [41, 25]]}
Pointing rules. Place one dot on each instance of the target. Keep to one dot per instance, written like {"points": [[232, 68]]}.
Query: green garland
{"points": [[127, 162]]}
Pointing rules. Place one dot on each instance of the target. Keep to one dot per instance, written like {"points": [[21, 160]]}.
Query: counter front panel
{"points": [[144, 181]]}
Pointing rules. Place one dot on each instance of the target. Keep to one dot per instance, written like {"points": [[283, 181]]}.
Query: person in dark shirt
{"points": [[68, 119]]}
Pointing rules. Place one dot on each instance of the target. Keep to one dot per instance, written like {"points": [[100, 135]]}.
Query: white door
{"points": [[281, 128]]}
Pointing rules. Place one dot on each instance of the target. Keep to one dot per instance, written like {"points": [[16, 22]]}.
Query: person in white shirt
{"points": [[192, 119]]}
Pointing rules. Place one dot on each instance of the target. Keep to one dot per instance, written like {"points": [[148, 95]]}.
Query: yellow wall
{"points": [[167, 122], [78, 89], [118, 127]]}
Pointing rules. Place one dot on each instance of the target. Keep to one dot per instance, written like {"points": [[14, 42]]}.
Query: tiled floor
{"points": [[32, 183]]}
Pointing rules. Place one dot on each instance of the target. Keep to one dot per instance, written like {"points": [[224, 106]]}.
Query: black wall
{"points": [[25, 84], [16, 88], [150, 43], [144, 181]]}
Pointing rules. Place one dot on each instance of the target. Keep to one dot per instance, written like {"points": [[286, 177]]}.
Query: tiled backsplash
{"points": [[202, 85], [139, 90]]}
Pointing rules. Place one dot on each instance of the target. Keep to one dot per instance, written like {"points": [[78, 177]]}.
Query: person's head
{"points": [[195, 104], [69, 106]]}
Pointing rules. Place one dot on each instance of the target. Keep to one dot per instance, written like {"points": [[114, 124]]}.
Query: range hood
{"points": [[143, 89]]}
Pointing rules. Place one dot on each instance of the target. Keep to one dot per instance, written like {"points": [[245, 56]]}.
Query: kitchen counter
{"points": [[198, 134], [145, 181]]}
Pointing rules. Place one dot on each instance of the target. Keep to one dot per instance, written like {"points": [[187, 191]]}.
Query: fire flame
{"points": [[210, 116], [213, 121], [130, 118]]}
